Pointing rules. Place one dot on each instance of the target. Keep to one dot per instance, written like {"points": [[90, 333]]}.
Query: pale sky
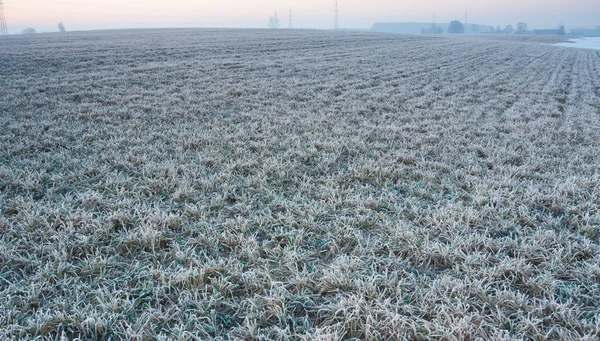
{"points": [[44, 15]]}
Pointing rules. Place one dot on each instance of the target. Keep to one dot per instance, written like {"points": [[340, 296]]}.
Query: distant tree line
{"points": [[593, 32], [457, 27]]}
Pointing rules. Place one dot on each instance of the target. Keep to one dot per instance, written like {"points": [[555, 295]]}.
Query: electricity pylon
{"points": [[3, 28], [337, 16]]}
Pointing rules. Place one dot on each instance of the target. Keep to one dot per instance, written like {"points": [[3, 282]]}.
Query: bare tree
{"points": [[61, 27], [522, 28], [274, 21], [29, 30]]}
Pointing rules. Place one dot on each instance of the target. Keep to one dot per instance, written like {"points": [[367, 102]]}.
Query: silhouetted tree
{"points": [[61, 27], [509, 29], [456, 27], [522, 28], [498, 30], [475, 28], [561, 30], [29, 30]]}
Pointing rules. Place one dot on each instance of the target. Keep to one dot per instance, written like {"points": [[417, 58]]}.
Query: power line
{"points": [[337, 16], [3, 28]]}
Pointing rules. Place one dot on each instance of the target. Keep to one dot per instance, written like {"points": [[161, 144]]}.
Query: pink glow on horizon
{"points": [[307, 13]]}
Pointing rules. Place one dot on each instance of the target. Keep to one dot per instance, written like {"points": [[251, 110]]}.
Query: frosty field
{"points": [[257, 184]]}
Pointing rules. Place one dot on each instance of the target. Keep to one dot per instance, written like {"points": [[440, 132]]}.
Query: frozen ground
{"points": [[583, 43], [256, 184]]}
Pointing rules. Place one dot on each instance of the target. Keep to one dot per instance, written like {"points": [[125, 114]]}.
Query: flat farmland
{"points": [[297, 184]]}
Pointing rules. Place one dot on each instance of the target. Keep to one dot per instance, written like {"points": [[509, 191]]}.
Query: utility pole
{"points": [[290, 19], [337, 16], [3, 28], [466, 21], [433, 18]]}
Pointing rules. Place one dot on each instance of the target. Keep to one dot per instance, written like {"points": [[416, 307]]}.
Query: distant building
{"points": [[406, 27], [546, 32]]}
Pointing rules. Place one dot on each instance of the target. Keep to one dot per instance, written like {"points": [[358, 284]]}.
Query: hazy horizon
{"points": [[111, 14]]}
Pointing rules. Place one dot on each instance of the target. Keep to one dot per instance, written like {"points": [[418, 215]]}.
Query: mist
{"points": [[112, 14]]}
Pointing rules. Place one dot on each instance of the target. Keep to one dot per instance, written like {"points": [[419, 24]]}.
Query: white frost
{"points": [[583, 43]]}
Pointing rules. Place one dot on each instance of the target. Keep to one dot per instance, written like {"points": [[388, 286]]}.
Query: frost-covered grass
{"points": [[254, 184]]}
